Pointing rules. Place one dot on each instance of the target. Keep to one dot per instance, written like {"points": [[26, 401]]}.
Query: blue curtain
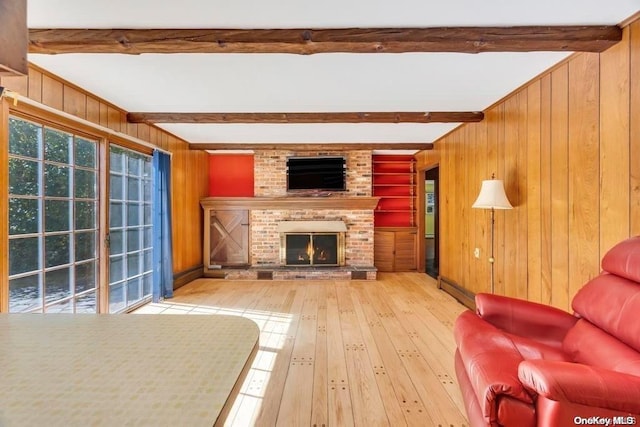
{"points": [[162, 245]]}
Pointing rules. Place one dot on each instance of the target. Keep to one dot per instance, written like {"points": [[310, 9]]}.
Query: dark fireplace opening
{"points": [[311, 249]]}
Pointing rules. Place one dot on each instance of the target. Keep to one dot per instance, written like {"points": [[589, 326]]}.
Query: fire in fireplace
{"points": [[312, 243], [311, 249]]}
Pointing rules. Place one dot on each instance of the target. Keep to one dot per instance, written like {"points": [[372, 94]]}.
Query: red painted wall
{"points": [[231, 175]]}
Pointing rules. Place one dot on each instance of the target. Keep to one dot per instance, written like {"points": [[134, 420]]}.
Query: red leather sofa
{"points": [[522, 364]]}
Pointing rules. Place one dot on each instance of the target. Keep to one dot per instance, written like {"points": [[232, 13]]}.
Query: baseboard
{"points": [[464, 296], [182, 278]]}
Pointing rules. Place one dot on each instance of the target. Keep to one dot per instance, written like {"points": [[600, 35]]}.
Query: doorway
{"points": [[431, 222]]}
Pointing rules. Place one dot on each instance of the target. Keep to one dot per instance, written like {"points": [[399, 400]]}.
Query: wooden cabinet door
{"points": [[383, 250], [229, 238], [405, 246]]}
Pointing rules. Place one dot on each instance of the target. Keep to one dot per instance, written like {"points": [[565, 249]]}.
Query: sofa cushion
{"points": [[590, 345], [611, 303], [624, 259]]}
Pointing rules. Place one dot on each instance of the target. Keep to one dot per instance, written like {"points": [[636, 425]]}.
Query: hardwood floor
{"points": [[340, 353]]}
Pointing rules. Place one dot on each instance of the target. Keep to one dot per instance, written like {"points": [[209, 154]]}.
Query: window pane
{"points": [[57, 284], [147, 168], [57, 215], [25, 293], [24, 138], [85, 215], [147, 281], [115, 187], [147, 190], [85, 153], [133, 240], [56, 181], [23, 216], [24, 255], [133, 264], [133, 164], [115, 242], [116, 159], [85, 184], [116, 269], [62, 307], [133, 214], [86, 277], [133, 189], [134, 290], [57, 250], [86, 303], [116, 217], [148, 260], [85, 246], [117, 298], [56, 146], [147, 214], [23, 177], [148, 236]]}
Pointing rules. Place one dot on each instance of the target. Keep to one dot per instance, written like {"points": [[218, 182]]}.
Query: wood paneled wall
{"points": [[189, 178], [567, 146]]}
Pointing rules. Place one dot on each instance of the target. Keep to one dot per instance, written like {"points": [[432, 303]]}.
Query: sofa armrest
{"points": [[540, 322], [582, 384], [491, 362]]}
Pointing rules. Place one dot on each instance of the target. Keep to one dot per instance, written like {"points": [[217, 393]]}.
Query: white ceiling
{"points": [[322, 82]]}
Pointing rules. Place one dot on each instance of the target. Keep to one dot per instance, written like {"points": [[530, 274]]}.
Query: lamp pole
{"points": [[491, 257]]}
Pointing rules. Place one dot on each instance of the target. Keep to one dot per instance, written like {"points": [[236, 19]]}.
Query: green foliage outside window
{"points": [[53, 182]]}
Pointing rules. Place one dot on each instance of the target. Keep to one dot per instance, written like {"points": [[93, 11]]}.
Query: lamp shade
{"points": [[492, 196]]}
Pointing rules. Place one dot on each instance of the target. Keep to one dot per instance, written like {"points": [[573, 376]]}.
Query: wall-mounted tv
{"points": [[316, 173]]}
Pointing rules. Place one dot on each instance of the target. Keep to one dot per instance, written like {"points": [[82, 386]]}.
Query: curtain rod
{"points": [[19, 98]]}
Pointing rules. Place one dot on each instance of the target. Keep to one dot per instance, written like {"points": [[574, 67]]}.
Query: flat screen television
{"points": [[316, 173]]}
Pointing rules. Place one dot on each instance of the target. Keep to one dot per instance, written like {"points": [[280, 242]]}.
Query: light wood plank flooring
{"points": [[340, 353]]}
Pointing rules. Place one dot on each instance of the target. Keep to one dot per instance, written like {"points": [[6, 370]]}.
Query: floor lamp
{"points": [[492, 196]]}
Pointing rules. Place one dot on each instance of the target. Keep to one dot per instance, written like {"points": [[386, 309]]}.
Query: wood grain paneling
{"points": [[614, 143], [634, 146], [534, 197], [584, 162], [567, 145], [560, 187], [545, 190]]}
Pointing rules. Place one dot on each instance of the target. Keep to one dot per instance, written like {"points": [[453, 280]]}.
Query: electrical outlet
{"points": [[476, 252]]}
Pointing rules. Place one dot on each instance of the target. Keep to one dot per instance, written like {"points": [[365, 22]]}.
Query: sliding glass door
{"points": [[53, 220], [130, 229]]}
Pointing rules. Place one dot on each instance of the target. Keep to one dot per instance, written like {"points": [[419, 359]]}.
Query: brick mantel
{"points": [[272, 203]]}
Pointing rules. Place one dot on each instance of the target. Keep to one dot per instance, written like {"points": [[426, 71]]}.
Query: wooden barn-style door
{"points": [[228, 238]]}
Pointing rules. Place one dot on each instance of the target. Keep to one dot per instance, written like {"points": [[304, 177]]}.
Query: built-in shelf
{"points": [[394, 181]]}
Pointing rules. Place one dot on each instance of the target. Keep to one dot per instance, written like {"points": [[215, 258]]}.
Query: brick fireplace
{"points": [[272, 206]]}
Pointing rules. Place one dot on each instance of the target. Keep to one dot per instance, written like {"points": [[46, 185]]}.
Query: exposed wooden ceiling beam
{"points": [[339, 117], [310, 41], [14, 38], [316, 147]]}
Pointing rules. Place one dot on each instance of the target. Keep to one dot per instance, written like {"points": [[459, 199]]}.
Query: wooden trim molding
{"points": [[183, 277], [274, 203], [339, 117], [464, 296], [309, 41], [418, 146]]}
